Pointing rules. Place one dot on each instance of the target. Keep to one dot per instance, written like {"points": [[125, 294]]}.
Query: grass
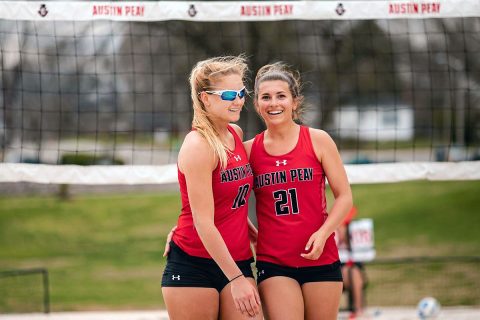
{"points": [[405, 284], [419, 218], [105, 252], [101, 252]]}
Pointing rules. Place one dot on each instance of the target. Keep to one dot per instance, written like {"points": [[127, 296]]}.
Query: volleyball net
{"points": [[97, 92]]}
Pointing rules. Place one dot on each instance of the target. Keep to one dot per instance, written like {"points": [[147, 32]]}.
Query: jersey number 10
{"points": [[240, 199]]}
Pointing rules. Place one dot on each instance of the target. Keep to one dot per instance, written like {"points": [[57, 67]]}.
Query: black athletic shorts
{"points": [[184, 270], [329, 272]]}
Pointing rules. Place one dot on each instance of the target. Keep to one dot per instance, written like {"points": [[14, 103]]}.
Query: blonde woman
{"points": [[208, 273]]}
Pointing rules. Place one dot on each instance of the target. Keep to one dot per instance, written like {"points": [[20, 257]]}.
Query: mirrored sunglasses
{"points": [[229, 95]]}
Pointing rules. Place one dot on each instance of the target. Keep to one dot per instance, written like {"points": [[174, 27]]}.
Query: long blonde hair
{"points": [[203, 74]]}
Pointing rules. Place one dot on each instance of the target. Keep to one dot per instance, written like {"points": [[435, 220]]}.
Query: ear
{"points": [[296, 103], [204, 97]]}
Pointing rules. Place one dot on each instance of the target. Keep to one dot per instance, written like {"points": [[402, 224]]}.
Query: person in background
{"points": [[208, 273], [354, 278]]}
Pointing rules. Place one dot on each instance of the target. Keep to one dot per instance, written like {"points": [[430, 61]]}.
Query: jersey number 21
{"points": [[286, 202]]}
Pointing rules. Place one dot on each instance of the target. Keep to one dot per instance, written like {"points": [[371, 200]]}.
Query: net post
{"points": [[46, 291]]}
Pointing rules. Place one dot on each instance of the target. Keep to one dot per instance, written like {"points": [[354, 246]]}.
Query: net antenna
{"points": [[96, 92]]}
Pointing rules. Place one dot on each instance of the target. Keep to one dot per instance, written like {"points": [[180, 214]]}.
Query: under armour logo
{"points": [[174, 277], [237, 157], [261, 272], [278, 162]]}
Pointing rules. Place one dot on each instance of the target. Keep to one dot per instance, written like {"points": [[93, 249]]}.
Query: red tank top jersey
{"points": [[231, 189], [290, 203]]}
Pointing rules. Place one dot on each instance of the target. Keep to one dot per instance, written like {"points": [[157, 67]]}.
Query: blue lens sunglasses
{"points": [[229, 95]]}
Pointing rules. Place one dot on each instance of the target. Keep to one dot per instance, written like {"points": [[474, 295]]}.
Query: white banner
{"points": [[235, 11], [407, 171], [141, 174], [88, 175]]}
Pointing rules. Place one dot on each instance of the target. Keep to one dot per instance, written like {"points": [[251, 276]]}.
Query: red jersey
{"points": [[231, 189], [291, 205]]}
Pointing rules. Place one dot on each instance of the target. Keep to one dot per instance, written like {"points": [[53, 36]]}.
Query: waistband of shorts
{"points": [[324, 267], [208, 261]]}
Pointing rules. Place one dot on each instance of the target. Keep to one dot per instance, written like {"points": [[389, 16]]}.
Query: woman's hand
{"points": [[245, 297], [169, 238], [315, 244]]}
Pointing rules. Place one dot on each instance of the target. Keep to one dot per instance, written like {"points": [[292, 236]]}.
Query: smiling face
{"points": [[275, 102], [224, 110]]}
